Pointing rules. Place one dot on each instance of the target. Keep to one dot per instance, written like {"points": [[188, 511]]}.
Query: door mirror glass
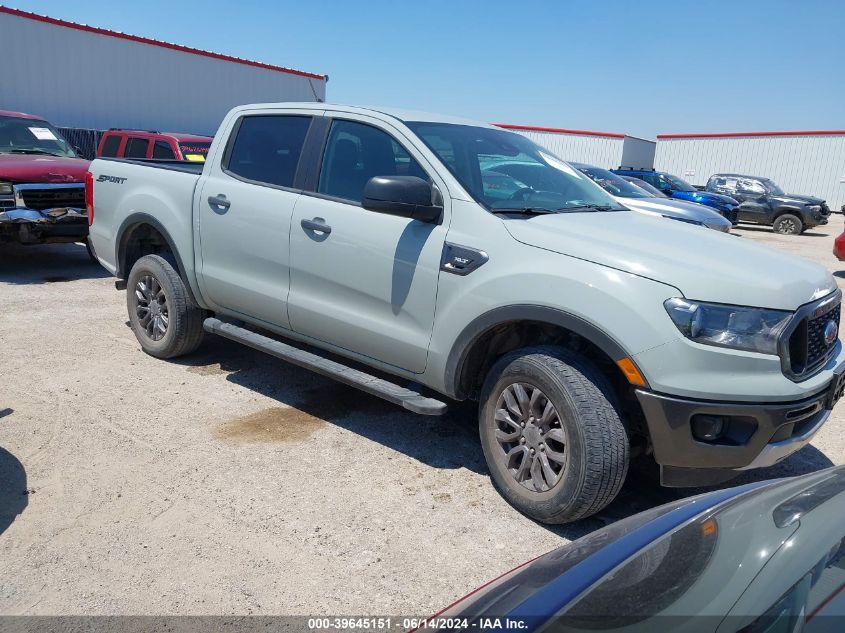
{"points": [[405, 196]]}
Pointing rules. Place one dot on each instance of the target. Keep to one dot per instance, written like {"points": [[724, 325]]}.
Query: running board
{"points": [[407, 398]]}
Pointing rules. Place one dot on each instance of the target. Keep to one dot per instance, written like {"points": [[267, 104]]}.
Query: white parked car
{"points": [[637, 198]]}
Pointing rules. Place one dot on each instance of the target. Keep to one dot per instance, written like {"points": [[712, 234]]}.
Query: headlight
{"points": [[750, 329], [5, 188]]}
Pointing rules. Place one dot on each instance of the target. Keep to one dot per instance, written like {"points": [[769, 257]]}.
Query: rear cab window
{"points": [[136, 147], [266, 149], [162, 150], [111, 145]]}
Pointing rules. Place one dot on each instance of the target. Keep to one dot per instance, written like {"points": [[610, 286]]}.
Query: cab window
{"points": [[356, 152], [267, 148], [136, 147], [110, 146], [162, 149]]}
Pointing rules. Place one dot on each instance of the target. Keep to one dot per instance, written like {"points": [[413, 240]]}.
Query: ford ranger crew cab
{"points": [[364, 244]]}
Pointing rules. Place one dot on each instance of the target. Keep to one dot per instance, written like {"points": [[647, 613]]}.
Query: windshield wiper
{"points": [[32, 151], [526, 210], [588, 206]]}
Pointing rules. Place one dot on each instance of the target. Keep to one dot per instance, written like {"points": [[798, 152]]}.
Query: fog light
{"points": [[708, 428]]}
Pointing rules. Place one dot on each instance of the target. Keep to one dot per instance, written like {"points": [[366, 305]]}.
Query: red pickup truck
{"points": [[42, 183]]}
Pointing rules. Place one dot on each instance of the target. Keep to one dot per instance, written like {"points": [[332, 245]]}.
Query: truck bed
{"points": [[161, 163], [130, 191]]}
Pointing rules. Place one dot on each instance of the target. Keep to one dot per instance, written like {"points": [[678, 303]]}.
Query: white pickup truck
{"points": [[460, 261]]}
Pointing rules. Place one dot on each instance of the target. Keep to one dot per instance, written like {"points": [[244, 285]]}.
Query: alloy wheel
{"points": [[530, 436], [151, 307]]}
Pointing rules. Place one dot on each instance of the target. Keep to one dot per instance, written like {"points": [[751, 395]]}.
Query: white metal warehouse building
{"points": [[80, 76], [601, 149], [802, 162]]}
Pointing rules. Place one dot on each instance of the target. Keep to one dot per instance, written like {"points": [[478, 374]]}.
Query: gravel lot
{"points": [[232, 483]]}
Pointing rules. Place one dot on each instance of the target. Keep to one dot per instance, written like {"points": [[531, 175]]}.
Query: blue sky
{"points": [[640, 68]]}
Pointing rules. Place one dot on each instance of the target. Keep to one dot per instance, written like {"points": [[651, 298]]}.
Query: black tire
{"points": [[183, 333], [596, 447], [788, 224]]}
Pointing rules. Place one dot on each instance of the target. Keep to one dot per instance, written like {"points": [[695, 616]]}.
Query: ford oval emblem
{"points": [[831, 331]]}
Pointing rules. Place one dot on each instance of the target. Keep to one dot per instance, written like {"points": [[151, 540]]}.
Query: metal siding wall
{"points": [[600, 151], [810, 165], [79, 79]]}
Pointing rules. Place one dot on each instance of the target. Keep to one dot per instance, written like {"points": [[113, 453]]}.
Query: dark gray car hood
{"points": [[796, 198]]}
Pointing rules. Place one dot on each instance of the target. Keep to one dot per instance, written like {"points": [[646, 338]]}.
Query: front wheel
{"points": [[162, 314], [788, 224], [552, 437]]}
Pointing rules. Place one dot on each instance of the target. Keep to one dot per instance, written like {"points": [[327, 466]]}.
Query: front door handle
{"points": [[219, 200], [317, 224]]}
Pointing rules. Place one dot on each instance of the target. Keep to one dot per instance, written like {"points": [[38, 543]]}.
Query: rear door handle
{"points": [[219, 200], [317, 224]]}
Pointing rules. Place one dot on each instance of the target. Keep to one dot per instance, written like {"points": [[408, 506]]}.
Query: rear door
{"points": [[367, 283], [245, 206]]}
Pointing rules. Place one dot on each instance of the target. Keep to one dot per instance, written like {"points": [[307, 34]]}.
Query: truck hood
{"points": [[797, 198], [702, 264], [32, 168], [674, 208]]}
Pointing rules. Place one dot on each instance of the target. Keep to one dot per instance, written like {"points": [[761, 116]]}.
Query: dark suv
{"points": [[674, 187], [763, 202]]}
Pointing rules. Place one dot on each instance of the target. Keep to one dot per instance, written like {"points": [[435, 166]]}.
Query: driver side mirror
{"points": [[405, 196]]}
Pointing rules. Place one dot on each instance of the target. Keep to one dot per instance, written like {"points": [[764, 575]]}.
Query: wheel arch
{"points": [[459, 363], [123, 246]]}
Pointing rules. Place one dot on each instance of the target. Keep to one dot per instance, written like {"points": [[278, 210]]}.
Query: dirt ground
{"points": [[231, 483]]}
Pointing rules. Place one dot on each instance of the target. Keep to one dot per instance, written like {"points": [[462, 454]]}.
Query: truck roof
{"points": [[180, 137], [396, 113], [20, 115], [725, 173]]}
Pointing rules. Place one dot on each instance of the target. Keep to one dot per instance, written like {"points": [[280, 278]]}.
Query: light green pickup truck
{"points": [[450, 260]]}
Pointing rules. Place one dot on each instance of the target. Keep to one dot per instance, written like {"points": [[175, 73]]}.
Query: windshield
{"points": [[772, 188], [642, 184], [31, 136], [614, 184], [678, 184], [195, 152], [505, 171]]}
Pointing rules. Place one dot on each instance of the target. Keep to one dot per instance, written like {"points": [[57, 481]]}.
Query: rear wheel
{"points": [[552, 437], [788, 224], [162, 314]]}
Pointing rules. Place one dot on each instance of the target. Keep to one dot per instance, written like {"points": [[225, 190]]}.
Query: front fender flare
{"points": [[525, 312]]}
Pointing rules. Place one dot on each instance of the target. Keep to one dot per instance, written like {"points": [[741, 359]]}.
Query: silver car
{"points": [[636, 198]]}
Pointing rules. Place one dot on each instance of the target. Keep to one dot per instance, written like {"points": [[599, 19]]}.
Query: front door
{"points": [[753, 203], [245, 209], [361, 280]]}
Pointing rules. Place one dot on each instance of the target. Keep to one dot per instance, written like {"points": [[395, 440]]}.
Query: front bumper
{"points": [[756, 435], [30, 226]]}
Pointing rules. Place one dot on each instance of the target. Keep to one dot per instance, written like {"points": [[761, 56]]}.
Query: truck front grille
{"points": [[808, 349], [6, 203], [51, 198]]}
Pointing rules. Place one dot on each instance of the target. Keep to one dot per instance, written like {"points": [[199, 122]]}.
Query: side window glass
{"points": [[356, 152], [751, 187], [136, 147], [267, 148], [162, 150], [111, 146]]}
